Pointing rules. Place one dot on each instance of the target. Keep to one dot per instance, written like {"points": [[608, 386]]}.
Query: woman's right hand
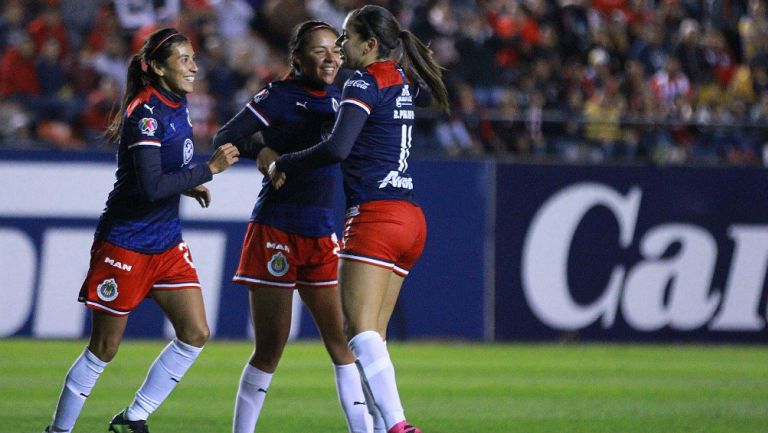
{"points": [[277, 177], [223, 158], [266, 157]]}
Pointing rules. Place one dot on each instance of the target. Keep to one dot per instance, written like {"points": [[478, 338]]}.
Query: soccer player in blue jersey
{"points": [[290, 242], [385, 230], [138, 250]]}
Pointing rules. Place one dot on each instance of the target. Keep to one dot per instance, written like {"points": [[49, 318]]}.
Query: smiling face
{"points": [[320, 60], [177, 74], [355, 52]]}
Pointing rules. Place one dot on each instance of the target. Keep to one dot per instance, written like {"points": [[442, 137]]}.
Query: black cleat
{"points": [[120, 424]]}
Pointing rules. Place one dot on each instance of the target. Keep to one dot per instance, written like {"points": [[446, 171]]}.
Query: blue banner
{"points": [[631, 253], [50, 203]]}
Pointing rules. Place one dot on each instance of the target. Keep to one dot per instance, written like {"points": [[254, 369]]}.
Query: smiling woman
{"points": [[290, 241], [138, 250]]}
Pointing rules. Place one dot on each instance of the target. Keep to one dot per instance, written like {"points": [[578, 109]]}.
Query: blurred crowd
{"points": [[601, 81]]}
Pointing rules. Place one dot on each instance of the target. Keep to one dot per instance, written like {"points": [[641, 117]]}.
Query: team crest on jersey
{"points": [[148, 126], [189, 150], [278, 265], [107, 290], [260, 96], [335, 104]]}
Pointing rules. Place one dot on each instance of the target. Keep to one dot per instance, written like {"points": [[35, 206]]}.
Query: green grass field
{"points": [[445, 388]]}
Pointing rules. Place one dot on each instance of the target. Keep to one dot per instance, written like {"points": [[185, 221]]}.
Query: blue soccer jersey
{"points": [[133, 218], [293, 117], [377, 167]]}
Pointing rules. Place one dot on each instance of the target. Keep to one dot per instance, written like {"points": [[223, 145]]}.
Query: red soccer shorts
{"points": [[119, 279], [274, 258], [385, 233]]}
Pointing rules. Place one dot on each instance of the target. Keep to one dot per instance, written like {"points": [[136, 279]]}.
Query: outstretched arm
{"points": [[336, 148]]}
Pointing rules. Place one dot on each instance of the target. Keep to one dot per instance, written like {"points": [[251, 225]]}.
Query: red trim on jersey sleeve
{"points": [[357, 102], [385, 74]]}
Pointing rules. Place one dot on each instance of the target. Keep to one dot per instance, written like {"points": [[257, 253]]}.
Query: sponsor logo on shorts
{"points": [[277, 246], [118, 264], [107, 290], [278, 265]]}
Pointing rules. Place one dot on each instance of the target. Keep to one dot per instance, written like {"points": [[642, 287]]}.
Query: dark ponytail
{"points": [[417, 57], [156, 50], [373, 21]]}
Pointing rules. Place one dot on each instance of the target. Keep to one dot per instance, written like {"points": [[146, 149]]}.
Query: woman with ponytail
{"points": [[385, 229], [138, 250], [290, 242]]}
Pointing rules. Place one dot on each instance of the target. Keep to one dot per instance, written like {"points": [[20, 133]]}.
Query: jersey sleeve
{"points": [[361, 91], [268, 105], [143, 128]]}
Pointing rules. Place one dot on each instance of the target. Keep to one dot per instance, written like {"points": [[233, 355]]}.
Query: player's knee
{"points": [[197, 336], [104, 350]]}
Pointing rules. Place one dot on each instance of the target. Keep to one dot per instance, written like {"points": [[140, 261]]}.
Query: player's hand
{"points": [[266, 157], [277, 177], [200, 193], [223, 158]]}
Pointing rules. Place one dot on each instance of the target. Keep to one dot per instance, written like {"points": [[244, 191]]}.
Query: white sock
{"points": [[378, 421], [163, 376], [379, 373], [81, 378], [349, 388], [251, 393]]}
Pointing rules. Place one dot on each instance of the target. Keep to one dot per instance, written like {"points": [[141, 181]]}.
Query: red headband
{"points": [[161, 43]]}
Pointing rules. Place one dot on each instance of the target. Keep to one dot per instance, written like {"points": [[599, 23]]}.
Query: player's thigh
{"points": [[388, 305], [325, 306], [363, 290], [271, 310], [186, 311]]}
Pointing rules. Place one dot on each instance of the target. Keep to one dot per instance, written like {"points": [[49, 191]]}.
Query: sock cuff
{"points": [[363, 337], [254, 376], [97, 364], [345, 370], [185, 349]]}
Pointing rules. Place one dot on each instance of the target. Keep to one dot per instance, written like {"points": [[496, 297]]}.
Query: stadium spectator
{"points": [[506, 40]]}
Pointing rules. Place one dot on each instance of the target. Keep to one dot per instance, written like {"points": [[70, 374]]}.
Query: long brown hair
{"points": [[156, 49], [373, 21]]}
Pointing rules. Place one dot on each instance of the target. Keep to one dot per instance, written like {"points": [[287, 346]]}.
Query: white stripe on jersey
{"points": [[259, 115], [360, 104], [144, 143]]}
